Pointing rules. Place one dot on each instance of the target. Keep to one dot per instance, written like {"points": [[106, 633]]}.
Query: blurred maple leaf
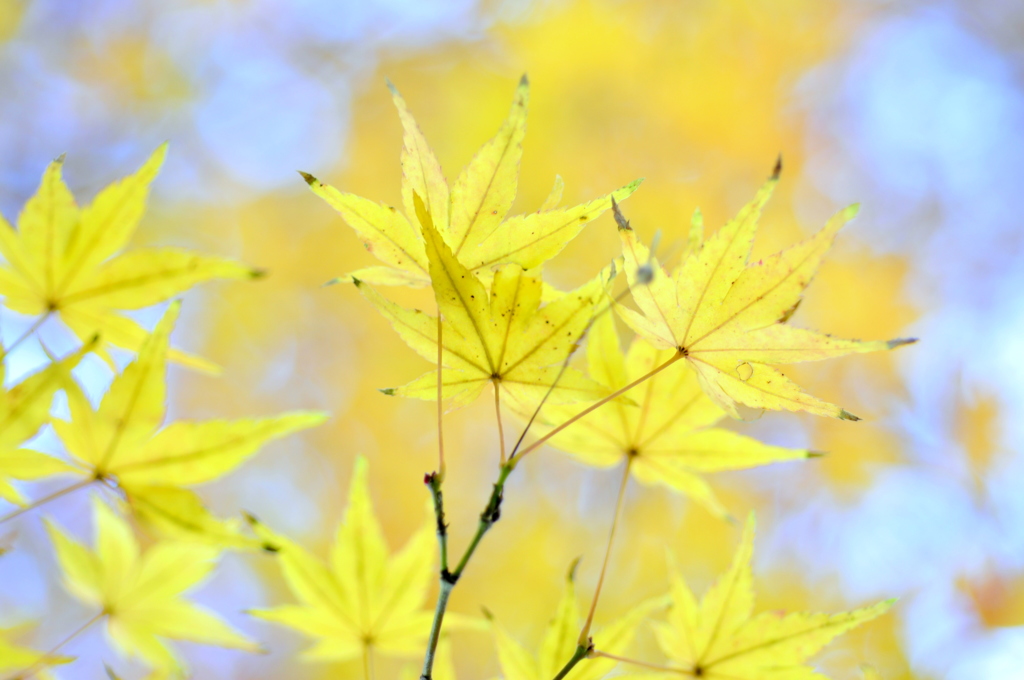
{"points": [[560, 641], [140, 596], [16, 657], [63, 260], [25, 408], [121, 444], [364, 598]]}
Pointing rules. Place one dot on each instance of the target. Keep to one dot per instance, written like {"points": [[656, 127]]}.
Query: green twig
{"points": [[490, 515], [581, 653], [433, 482]]}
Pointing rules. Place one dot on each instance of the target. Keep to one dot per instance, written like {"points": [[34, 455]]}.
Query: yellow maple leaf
{"points": [[23, 410], [121, 444], [501, 335], [560, 642], [720, 639], [666, 437], [24, 659], [364, 599], [64, 260], [726, 317], [140, 595], [470, 216]]}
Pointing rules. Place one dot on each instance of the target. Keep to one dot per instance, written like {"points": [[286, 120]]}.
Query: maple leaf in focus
{"points": [[363, 598], [560, 640], [719, 639], [122, 444], [470, 216], [64, 260], [23, 410], [727, 317], [140, 595], [666, 436], [501, 335]]}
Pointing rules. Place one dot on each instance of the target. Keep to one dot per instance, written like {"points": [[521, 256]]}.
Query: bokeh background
{"points": [[913, 109]]}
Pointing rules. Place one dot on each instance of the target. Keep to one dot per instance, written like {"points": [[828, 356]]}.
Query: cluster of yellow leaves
{"points": [[63, 260], [498, 323], [664, 440], [141, 595]]}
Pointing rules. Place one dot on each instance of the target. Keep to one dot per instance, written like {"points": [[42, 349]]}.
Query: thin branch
{"points": [[45, 660], [585, 632], [490, 515], [433, 482], [46, 499], [24, 336], [435, 628], [611, 397], [582, 652]]}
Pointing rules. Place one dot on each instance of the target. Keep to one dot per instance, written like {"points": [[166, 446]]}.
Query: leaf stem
{"points": [[24, 336], [368, 670], [46, 499], [585, 632], [581, 653], [514, 460], [43, 661], [497, 413], [642, 664], [440, 407]]}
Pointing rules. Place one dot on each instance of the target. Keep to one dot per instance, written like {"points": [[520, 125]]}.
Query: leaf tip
{"points": [[620, 219], [816, 454], [524, 81], [392, 88], [59, 160], [356, 282], [570, 575], [488, 614], [390, 391], [777, 169], [310, 179], [846, 415], [258, 273], [899, 342]]}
